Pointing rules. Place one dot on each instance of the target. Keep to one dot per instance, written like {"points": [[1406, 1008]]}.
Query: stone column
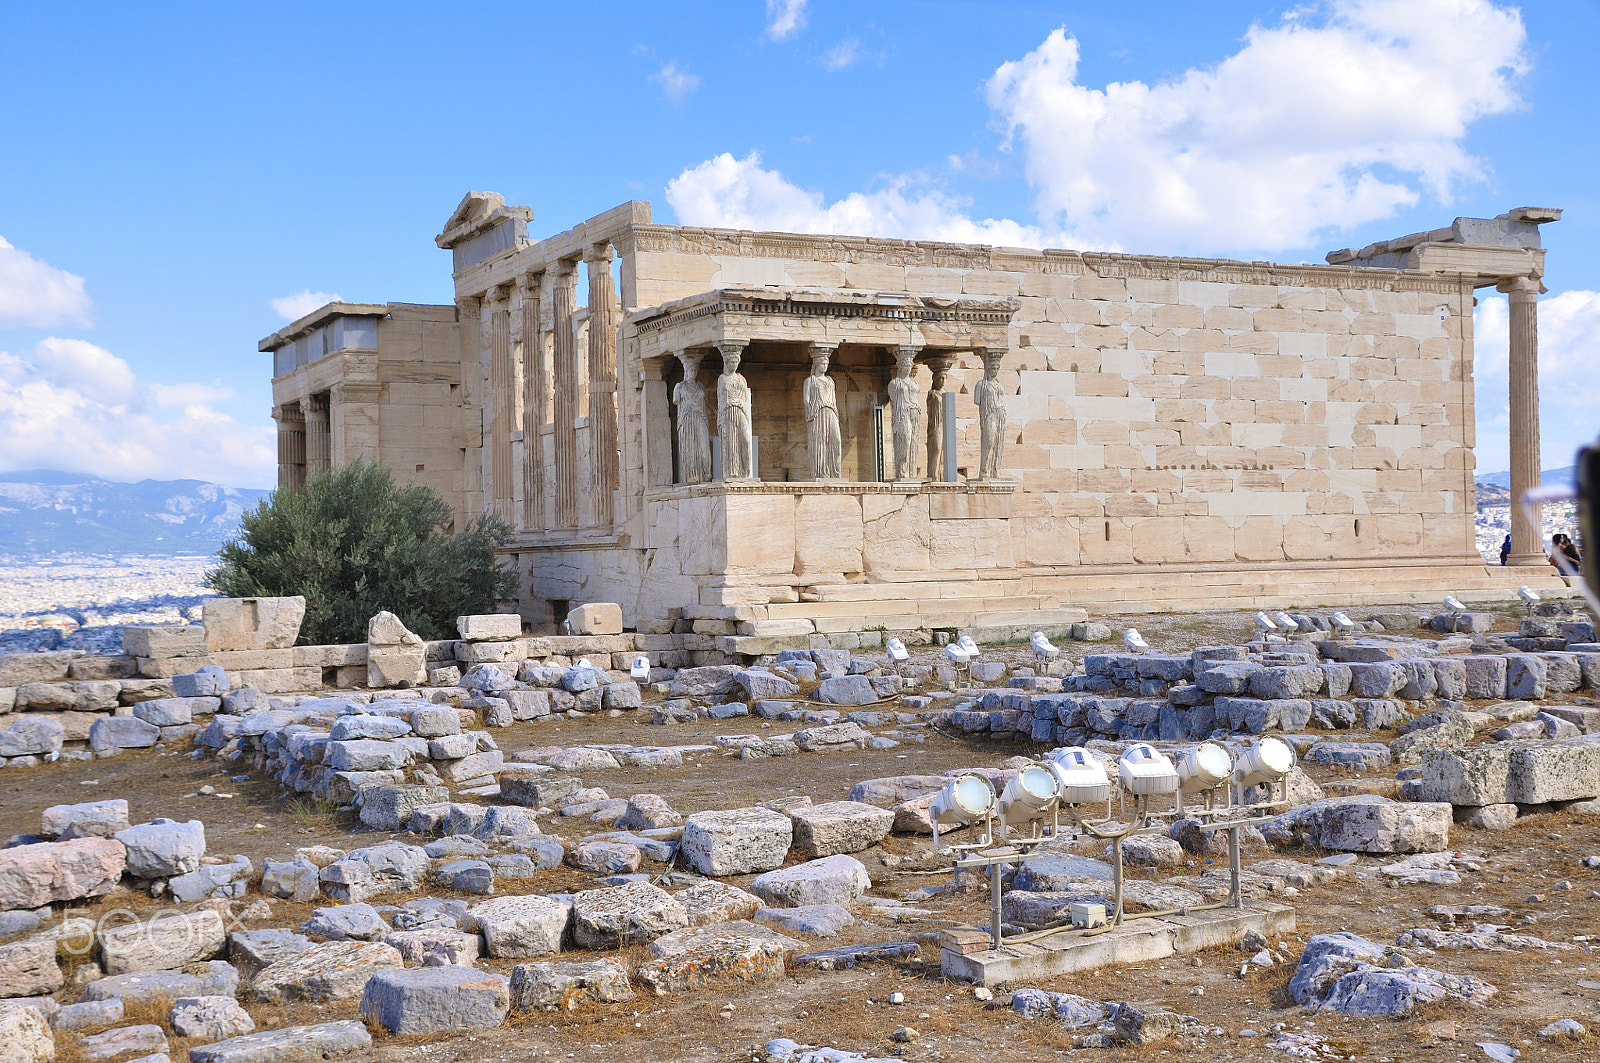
{"points": [[319, 441], [501, 401], [734, 414], [939, 365], [657, 433], [534, 397], [1527, 537], [291, 448], [991, 414], [694, 427], [824, 439], [603, 382], [562, 294]]}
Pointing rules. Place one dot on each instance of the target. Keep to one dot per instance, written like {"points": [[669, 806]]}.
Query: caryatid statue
{"points": [[906, 410], [939, 365], [733, 415], [824, 442], [694, 432], [991, 416]]}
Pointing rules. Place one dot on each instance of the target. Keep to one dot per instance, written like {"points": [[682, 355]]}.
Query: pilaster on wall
{"points": [[500, 388], [472, 418]]}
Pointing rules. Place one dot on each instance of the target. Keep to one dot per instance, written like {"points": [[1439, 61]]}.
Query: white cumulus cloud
{"points": [[37, 294], [71, 405], [1340, 114], [846, 53], [297, 305], [1569, 387], [743, 194], [785, 18], [676, 84], [1334, 117]]}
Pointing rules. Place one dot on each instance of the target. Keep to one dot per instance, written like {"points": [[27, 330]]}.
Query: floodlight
{"points": [[897, 650], [582, 662], [1134, 642], [1454, 605], [1144, 770], [641, 667], [1083, 778], [1264, 622], [1205, 767], [967, 645], [1029, 796], [1042, 647], [1287, 622], [964, 799], [1343, 623], [1265, 762], [956, 654]]}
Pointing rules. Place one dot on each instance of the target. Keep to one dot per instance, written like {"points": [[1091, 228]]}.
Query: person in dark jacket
{"points": [[1505, 549]]}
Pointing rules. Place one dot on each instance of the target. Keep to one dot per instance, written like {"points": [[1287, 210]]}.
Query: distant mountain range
{"points": [[47, 512], [1548, 476]]}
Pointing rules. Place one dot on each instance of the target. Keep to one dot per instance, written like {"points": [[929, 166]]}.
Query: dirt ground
{"points": [[1533, 870]]}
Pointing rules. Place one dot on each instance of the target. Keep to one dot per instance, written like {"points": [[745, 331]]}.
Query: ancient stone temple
{"points": [[773, 435]]}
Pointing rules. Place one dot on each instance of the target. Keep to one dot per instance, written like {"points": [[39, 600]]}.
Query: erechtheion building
{"points": [[773, 435]]}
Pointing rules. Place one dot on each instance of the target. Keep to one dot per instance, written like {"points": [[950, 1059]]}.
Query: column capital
{"points": [[731, 346], [596, 253], [938, 361], [529, 281], [817, 350], [1521, 286]]}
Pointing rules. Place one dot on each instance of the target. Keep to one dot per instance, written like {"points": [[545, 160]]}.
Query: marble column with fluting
{"points": [[535, 391], [291, 448], [501, 401], [563, 279], [1527, 538], [319, 441], [603, 383]]}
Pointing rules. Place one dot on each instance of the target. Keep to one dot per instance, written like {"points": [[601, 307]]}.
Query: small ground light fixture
{"points": [[966, 643], [582, 662], [1083, 778], [1144, 770], [641, 667], [1265, 623], [1529, 596], [897, 651], [1452, 603], [964, 799], [1287, 622], [1134, 641], [1205, 767], [1343, 623], [956, 654], [1029, 796]]}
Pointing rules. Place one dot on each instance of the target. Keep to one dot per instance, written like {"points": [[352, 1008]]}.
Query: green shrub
{"points": [[355, 543]]}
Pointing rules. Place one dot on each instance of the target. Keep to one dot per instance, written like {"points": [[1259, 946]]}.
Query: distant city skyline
{"points": [[203, 175]]}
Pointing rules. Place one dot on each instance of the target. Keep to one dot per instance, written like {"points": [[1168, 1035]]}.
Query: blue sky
{"points": [[170, 175]]}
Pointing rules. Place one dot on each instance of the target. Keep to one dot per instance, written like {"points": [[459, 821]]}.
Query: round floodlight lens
{"points": [[974, 795], [1213, 761], [1275, 756], [1037, 782]]}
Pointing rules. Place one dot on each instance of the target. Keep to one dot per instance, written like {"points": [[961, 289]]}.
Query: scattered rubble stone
{"points": [[431, 999]]}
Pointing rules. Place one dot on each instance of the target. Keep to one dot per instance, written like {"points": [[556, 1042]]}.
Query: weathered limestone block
{"points": [[624, 915], [113, 734], [32, 736], [209, 1018], [418, 945], [164, 847], [389, 808], [164, 987], [490, 627], [604, 858], [595, 618], [363, 873], [736, 841], [839, 827], [717, 902], [145, 1041], [831, 880], [19, 668], [209, 681], [253, 950], [896, 789], [847, 690], [649, 812], [26, 1036], [537, 791], [832, 737], [346, 922], [88, 1014], [333, 970], [91, 819], [220, 881], [163, 943], [252, 623], [1486, 677], [366, 754], [1511, 773], [295, 880], [29, 968], [291, 1044], [430, 999], [1525, 676], [35, 875], [566, 986], [725, 954], [1393, 827], [520, 927]]}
